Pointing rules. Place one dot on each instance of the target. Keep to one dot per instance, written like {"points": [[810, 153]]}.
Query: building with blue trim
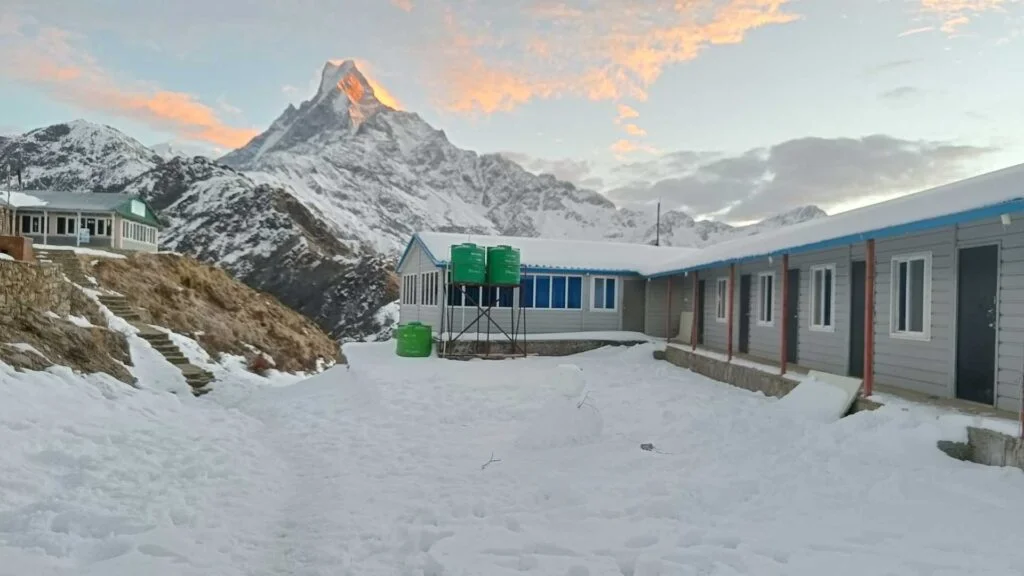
{"points": [[922, 293]]}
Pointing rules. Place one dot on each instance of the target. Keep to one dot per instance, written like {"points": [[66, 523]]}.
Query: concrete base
{"points": [[740, 376], [504, 348], [987, 447]]}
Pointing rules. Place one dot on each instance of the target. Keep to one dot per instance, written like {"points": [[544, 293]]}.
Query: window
{"points": [[766, 299], [61, 226], [604, 295], [496, 296], [910, 307], [551, 292], [409, 284], [721, 299], [428, 288], [823, 297]]}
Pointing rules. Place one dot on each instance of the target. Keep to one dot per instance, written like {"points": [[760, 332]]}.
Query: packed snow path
{"points": [[382, 469]]}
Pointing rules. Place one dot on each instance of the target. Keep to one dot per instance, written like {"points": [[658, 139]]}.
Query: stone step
{"points": [[177, 361]]}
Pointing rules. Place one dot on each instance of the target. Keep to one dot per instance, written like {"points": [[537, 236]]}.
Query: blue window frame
{"points": [[556, 292], [604, 294], [542, 298]]}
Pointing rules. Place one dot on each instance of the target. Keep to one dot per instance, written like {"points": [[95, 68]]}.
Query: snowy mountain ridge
{"points": [[317, 208]]}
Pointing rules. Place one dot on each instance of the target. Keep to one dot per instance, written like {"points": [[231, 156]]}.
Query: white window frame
{"points": [[551, 292], [813, 301], [604, 293], [762, 306], [428, 288], [409, 289], [721, 300], [926, 304]]}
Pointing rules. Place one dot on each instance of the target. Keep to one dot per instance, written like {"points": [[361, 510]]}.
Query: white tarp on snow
{"points": [[562, 254]]}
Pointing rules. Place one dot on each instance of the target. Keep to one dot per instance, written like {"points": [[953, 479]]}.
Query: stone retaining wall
{"points": [[740, 376], [25, 286], [538, 347]]}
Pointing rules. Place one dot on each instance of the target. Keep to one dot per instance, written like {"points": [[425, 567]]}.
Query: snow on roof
{"points": [[985, 196], [21, 199], [95, 201], [558, 254]]}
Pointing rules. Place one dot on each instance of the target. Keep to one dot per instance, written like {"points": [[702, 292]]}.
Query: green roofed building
{"points": [[117, 221]]}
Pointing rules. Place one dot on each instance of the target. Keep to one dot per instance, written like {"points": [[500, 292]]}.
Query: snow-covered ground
{"points": [[424, 466]]}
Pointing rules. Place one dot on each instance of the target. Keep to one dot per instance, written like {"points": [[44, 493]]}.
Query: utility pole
{"points": [[657, 227]]}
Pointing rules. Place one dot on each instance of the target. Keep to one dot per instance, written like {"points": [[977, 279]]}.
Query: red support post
{"points": [[668, 313], [784, 356], [696, 311], [869, 320], [732, 283]]}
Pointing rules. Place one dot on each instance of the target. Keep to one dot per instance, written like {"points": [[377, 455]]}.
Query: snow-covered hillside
{"points": [[79, 156], [377, 175]]}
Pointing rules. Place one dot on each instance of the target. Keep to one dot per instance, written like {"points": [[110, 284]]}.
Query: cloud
{"points": [[955, 14], [915, 31], [829, 172], [577, 171], [892, 65], [405, 5], [626, 112], [624, 147], [50, 60], [617, 48], [899, 93]]}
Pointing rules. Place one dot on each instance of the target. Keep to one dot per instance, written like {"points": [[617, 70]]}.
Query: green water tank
{"points": [[503, 265], [415, 340], [469, 264]]}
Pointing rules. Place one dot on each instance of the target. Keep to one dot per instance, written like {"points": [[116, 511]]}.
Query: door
{"points": [[977, 289], [858, 303], [745, 314], [633, 297], [793, 307], [700, 312]]}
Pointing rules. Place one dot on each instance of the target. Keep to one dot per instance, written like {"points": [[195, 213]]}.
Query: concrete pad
{"points": [[823, 396]]}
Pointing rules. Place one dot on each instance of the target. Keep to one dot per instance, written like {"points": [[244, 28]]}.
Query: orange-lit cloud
{"points": [[47, 59], [955, 14], [626, 112], [405, 5], [634, 130], [609, 49], [623, 147]]}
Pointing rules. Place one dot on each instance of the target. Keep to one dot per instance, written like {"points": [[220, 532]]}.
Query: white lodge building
{"points": [[98, 220]]}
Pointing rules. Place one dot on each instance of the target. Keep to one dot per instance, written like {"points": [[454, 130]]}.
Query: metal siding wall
{"points": [[821, 350], [765, 341], [715, 333], [921, 366], [1010, 336]]}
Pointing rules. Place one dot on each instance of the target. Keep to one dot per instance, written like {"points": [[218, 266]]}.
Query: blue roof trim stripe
{"points": [[415, 240], [555, 270], [991, 211]]}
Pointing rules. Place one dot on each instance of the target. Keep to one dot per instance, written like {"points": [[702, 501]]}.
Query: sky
{"points": [[733, 109]]}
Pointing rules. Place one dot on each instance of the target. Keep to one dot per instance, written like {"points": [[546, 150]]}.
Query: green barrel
{"points": [[469, 264], [503, 266], [415, 340]]}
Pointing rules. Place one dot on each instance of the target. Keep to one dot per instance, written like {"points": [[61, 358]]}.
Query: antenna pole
{"points": [[657, 227]]}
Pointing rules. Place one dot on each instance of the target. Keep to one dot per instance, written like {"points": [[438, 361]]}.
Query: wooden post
{"points": [[869, 320], [44, 227], [668, 310], [696, 310], [732, 282], [784, 356]]}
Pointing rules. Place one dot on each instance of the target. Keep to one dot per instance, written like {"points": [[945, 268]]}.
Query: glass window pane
{"points": [[598, 295], [609, 294], [768, 297], [61, 229], [526, 292], [917, 296], [819, 285], [576, 293], [543, 299], [558, 284], [827, 297]]}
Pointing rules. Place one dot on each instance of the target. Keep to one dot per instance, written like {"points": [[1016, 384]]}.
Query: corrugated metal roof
{"points": [[84, 201]]}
